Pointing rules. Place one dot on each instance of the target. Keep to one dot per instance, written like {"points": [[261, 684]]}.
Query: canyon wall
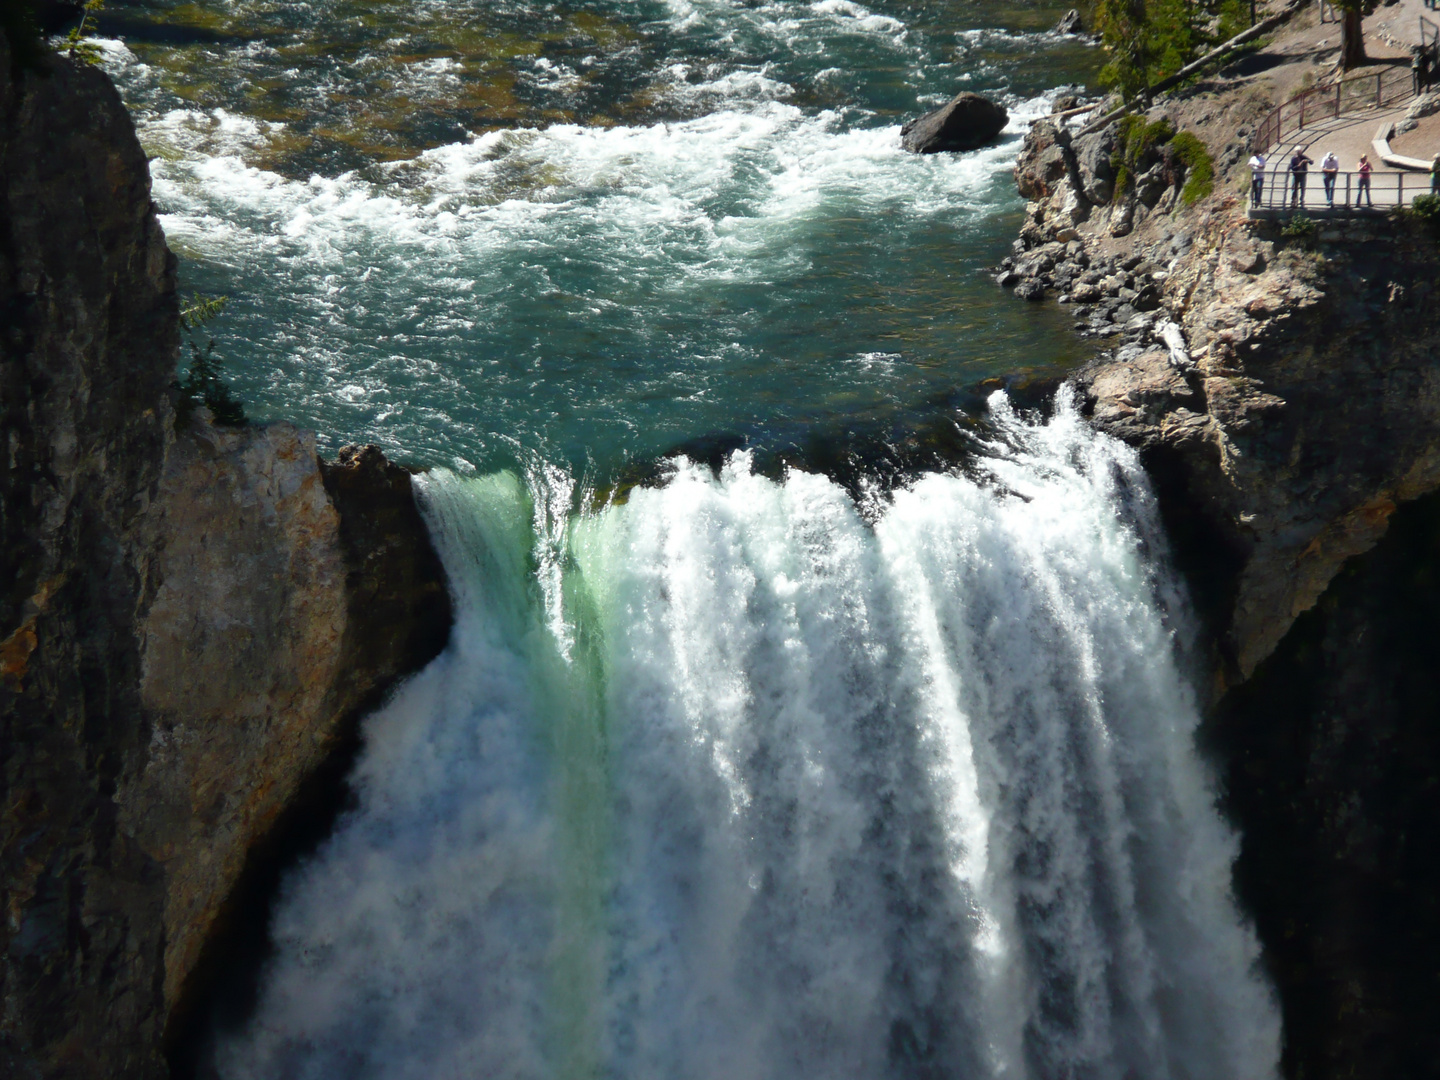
{"points": [[190, 626], [1285, 393]]}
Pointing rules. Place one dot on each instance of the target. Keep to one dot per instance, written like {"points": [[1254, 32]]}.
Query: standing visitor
{"points": [[1329, 169], [1363, 187], [1435, 175], [1299, 173], [1257, 178]]}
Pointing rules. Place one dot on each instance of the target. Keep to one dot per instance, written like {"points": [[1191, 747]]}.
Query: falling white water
{"points": [[730, 782]]}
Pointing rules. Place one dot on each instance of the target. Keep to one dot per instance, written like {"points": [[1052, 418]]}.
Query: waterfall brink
{"points": [[734, 781]]}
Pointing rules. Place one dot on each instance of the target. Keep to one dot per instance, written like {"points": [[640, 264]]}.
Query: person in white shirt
{"points": [[1257, 178], [1329, 169]]}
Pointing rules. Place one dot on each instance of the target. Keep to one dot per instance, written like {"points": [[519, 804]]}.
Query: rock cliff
{"points": [[1282, 389], [189, 626], [1331, 751], [1285, 395]]}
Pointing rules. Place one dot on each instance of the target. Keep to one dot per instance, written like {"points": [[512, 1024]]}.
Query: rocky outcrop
{"points": [[190, 626], [1070, 23], [1282, 391], [1309, 410], [1330, 752], [290, 592], [1284, 394], [89, 338], [966, 122]]}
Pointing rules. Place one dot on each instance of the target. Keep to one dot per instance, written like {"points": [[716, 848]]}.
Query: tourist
{"points": [[1299, 173], [1363, 187], [1257, 178], [1329, 170], [1435, 175]]}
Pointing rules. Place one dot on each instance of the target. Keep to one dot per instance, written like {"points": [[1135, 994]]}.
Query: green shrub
{"points": [[77, 43], [1425, 212], [203, 385], [1300, 228], [1137, 137], [1199, 166]]}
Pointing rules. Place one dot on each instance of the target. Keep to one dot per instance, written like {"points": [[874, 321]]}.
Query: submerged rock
{"points": [[966, 122]]}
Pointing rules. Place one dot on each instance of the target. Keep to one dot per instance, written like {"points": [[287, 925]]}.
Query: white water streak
{"points": [[808, 798]]}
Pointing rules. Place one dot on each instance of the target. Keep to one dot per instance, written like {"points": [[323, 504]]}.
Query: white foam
{"points": [[806, 796]]}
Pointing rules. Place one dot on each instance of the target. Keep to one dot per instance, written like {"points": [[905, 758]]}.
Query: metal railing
{"points": [[1386, 189], [1370, 91]]}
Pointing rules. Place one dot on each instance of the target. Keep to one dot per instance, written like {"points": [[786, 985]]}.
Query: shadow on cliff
{"points": [[399, 618], [1331, 763]]}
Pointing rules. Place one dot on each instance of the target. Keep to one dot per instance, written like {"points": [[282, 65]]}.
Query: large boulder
{"points": [[1041, 165], [1093, 154], [968, 121]]}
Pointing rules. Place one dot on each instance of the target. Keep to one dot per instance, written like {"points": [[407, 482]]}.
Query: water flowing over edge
{"points": [[734, 780]]}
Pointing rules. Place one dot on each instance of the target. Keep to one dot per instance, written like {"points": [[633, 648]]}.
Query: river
{"points": [[749, 758]]}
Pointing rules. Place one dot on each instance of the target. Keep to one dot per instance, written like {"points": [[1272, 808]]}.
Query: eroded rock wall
{"points": [[1310, 408], [190, 626], [1285, 393], [88, 333], [1331, 752]]}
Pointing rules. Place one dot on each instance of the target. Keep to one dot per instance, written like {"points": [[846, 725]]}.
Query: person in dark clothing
{"points": [[1299, 173]]}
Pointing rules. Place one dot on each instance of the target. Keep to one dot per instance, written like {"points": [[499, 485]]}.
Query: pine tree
{"points": [[203, 385], [1149, 40]]}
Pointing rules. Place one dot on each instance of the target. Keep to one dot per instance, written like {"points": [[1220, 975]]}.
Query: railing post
{"points": [[1400, 189], [1347, 188]]}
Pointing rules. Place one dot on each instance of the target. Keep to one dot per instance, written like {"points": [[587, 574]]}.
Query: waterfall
{"points": [[738, 780]]}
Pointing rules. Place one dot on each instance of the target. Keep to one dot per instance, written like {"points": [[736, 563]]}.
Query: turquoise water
{"points": [[593, 232], [741, 777]]}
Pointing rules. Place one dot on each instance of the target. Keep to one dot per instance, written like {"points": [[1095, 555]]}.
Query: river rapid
{"points": [[749, 759]]}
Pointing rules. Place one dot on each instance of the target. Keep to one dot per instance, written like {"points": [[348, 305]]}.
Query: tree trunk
{"points": [[1352, 39]]}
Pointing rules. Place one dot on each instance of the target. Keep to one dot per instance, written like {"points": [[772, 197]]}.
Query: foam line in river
{"points": [[493, 285], [786, 791]]}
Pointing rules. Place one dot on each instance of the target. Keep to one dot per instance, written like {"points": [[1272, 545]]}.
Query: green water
{"points": [[593, 232]]}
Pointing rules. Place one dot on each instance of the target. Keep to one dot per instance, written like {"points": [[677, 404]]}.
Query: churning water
{"points": [[672, 219], [729, 782], [745, 775]]}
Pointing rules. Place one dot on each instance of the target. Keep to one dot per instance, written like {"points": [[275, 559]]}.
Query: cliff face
{"points": [[1332, 750], [1294, 404], [1286, 398], [87, 303], [1311, 408], [189, 627]]}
